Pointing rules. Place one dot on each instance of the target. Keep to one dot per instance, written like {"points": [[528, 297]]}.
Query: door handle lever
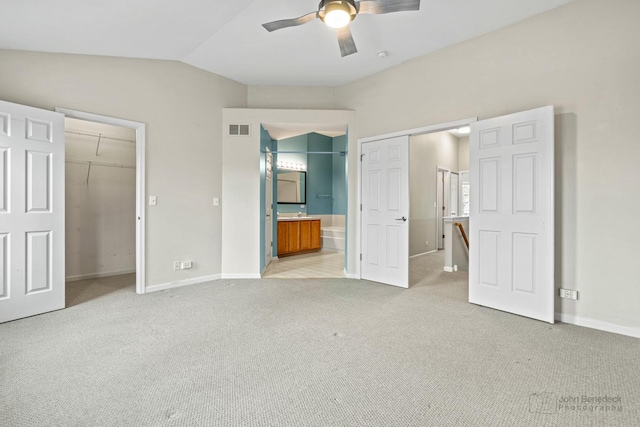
{"points": [[403, 219]]}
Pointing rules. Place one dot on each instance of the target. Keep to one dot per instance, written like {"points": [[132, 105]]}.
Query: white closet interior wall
{"points": [[100, 200]]}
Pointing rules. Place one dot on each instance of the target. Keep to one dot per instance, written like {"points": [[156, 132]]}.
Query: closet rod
{"points": [[94, 134], [92, 163]]}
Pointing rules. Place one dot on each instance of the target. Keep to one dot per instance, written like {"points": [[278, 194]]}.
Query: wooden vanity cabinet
{"points": [[296, 237]]}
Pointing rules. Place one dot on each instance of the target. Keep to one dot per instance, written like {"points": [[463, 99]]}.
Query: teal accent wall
{"points": [[319, 175]]}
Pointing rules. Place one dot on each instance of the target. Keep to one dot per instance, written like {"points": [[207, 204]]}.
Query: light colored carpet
{"points": [[316, 352]]}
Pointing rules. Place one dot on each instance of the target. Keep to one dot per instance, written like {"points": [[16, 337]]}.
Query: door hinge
{"points": [[361, 156], [360, 207], [360, 257]]}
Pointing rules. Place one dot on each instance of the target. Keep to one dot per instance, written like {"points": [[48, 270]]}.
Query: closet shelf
{"points": [[101, 136]]}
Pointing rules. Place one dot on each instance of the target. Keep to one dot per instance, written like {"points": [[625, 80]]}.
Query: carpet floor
{"points": [[314, 352]]}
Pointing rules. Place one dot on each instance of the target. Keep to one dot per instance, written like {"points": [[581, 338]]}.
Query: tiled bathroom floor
{"points": [[319, 264]]}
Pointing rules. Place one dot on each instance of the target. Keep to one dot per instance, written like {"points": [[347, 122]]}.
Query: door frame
{"points": [[268, 254], [440, 203], [409, 132], [140, 128]]}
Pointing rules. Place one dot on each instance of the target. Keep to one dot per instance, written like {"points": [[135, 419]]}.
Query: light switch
{"points": [[216, 201], [153, 200]]}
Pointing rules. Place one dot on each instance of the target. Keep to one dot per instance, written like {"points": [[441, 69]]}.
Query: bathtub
{"points": [[333, 238]]}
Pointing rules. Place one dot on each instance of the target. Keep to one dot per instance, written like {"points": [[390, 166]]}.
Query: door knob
{"points": [[403, 219]]}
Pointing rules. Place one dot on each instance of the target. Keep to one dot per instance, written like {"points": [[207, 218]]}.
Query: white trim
{"points": [[422, 254], [358, 266], [241, 276], [349, 275], [439, 203], [97, 275], [141, 272], [181, 283], [570, 319], [449, 269], [411, 132]]}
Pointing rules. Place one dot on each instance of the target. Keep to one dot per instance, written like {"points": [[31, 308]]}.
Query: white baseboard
{"points": [[448, 269], [241, 276], [350, 275], [181, 283], [598, 324], [422, 254], [98, 275]]}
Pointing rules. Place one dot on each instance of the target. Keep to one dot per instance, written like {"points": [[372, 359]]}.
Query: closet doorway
{"points": [[104, 226]]}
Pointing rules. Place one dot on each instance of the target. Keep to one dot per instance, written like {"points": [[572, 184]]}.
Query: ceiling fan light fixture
{"points": [[337, 13]]}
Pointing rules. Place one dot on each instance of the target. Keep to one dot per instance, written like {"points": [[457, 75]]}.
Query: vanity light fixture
{"points": [[291, 165]]}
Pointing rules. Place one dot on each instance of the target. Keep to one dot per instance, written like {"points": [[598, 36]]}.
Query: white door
{"points": [[268, 222], [385, 211], [31, 211], [511, 255]]}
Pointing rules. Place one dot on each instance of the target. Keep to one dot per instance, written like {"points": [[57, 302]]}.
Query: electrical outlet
{"points": [[186, 265], [569, 294], [426, 243], [176, 265]]}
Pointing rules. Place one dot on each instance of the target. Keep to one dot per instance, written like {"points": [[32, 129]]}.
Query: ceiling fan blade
{"points": [[387, 6], [345, 40], [284, 23]]}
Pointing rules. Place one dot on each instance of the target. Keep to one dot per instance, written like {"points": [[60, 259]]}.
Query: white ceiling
{"points": [[226, 37]]}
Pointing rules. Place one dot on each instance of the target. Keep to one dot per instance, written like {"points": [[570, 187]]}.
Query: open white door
{"points": [[511, 254], [385, 211], [31, 211]]}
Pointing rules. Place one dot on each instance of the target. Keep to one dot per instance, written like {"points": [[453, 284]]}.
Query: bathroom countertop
{"points": [[297, 218]]}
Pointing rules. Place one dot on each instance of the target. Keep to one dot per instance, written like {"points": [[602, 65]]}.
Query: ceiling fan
{"points": [[339, 13]]}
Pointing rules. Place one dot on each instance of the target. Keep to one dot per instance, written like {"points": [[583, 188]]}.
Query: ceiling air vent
{"points": [[239, 130]]}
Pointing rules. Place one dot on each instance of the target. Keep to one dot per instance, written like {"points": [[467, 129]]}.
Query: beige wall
{"points": [[463, 153], [290, 97], [583, 59], [182, 109], [427, 152]]}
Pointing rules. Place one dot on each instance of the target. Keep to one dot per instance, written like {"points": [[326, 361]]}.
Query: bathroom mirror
{"points": [[292, 187]]}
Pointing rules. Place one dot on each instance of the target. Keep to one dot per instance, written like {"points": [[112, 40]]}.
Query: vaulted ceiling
{"points": [[227, 38]]}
